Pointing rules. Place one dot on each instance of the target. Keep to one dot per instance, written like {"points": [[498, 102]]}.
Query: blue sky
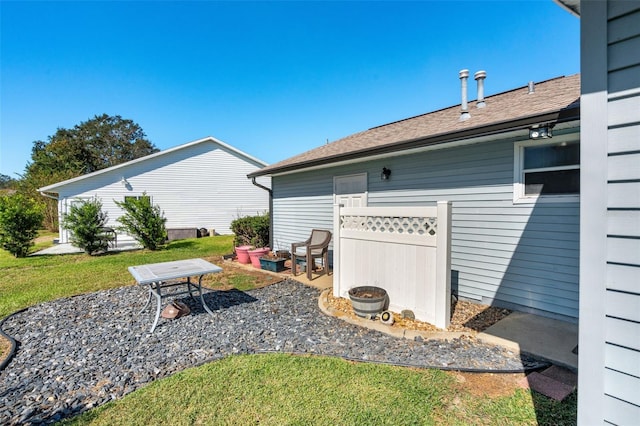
{"points": [[273, 79]]}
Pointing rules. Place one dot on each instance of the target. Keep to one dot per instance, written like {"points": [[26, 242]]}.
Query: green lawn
{"points": [[36, 279], [284, 389], [266, 389]]}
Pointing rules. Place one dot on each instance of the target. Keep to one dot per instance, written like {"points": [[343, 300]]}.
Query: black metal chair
{"points": [[110, 235], [316, 247]]}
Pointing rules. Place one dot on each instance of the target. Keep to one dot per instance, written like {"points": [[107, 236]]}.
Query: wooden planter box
{"points": [[273, 265], [368, 301]]}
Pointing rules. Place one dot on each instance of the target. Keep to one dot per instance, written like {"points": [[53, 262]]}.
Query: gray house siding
{"points": [[523, 256], [610, 247]]}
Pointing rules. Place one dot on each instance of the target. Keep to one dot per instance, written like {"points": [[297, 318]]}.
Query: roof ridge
{"points": [[457, 105]]}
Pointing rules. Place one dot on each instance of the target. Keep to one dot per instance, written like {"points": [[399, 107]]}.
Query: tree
{"points": [[144, 221], [86, 222], [6, 182], [20, 219], [92, 145]]}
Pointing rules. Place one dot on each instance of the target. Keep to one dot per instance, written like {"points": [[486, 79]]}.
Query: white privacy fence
{"points": [[405, 250]]}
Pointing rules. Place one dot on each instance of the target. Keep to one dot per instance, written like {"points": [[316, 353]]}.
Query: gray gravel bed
{"points": [[80, 352]]}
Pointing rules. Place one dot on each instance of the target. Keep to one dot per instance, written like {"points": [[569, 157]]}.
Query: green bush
{"points": [[251, 230], [20, 219], [143, 221], [86, 221]]}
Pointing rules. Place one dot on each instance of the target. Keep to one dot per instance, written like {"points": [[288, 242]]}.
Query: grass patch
{"points": [[280, 389], [37, 279]]}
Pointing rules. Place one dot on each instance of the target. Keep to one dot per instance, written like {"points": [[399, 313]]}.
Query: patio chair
{"points": [[316, 246], [110, 235]]}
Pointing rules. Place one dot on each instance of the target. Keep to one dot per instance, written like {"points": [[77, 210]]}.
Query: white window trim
{"points": [[519, 196]]}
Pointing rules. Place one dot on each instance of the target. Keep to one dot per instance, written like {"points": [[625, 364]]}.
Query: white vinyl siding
{"points": [[201, 186], [609, 356], [519, 256]]}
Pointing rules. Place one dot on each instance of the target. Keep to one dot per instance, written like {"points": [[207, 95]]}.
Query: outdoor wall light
{"points": [[124, 181], [386, 174], [542, 132]]}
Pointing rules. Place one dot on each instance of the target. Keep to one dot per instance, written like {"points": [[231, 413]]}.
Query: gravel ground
{"points": [[77, 353]]}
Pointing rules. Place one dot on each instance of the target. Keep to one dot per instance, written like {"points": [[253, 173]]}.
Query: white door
{"points": [[351, 190], [348, 191], [68, 202]]}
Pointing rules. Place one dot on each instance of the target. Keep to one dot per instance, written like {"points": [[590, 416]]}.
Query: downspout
{"points": [[270, 191]]}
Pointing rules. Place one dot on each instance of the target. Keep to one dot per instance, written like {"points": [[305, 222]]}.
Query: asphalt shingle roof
{"points": [[553, 100]]}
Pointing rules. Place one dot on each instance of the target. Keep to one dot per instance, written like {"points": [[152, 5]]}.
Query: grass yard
{"points": [[282, 389], [37, 279], [272, 389]]}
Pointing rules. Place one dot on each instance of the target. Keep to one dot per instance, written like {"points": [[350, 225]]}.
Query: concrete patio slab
{"points": [[547, 338], [66, 248]]}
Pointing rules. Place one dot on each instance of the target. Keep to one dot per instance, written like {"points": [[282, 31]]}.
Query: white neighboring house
{"points": [[201, 184]]}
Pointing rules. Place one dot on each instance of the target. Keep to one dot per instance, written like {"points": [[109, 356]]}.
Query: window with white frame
{"points": [[547, 170], [137, 197]]}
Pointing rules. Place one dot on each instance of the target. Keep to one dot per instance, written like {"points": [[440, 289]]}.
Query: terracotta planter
{"points": [[256, 254], [368, 301], [243, 253]]}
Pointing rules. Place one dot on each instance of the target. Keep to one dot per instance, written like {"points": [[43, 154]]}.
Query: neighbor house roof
{"points": [[573, 6], [555, 100], [209, 139]]}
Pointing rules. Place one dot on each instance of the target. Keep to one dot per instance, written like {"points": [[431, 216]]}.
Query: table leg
{"points": [[204, 304], [158, 295], [147, 303], [189, 284]]}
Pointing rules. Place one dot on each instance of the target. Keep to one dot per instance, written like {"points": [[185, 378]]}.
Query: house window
{"points": [[547, 171], [136, 197]]}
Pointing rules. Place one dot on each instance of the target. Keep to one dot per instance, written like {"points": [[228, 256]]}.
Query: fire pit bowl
{"points": [[368, 301]]}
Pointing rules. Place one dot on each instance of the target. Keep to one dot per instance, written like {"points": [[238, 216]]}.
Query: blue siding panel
{"points": [[516, 255]]}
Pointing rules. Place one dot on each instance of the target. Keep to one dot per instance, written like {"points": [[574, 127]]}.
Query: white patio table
{"points": [[160, 276]]}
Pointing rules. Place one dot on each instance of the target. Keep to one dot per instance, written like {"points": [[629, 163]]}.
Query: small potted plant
{"points": [[272, 262]]}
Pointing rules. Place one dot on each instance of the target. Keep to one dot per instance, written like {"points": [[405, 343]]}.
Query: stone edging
{"points": [[384, 328], [4, 361]]}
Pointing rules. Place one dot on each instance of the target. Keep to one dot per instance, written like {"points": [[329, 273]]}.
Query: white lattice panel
{"points": [[412, 225]]}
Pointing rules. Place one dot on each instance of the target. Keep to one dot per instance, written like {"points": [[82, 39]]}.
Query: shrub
{"points": [[85, 221], [143, 221], [251, 230], [20, 219]]}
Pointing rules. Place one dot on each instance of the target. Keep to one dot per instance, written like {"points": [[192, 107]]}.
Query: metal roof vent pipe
{"points": [[532, 88], [464, 113], [480, 76]]}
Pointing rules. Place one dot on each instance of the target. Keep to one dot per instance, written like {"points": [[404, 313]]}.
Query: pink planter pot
{"points": [[243, 253], [256, 254]]}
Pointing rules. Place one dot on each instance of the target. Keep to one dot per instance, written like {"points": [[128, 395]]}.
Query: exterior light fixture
{"points": [[124, 181], [543, 132], [386, 174]]}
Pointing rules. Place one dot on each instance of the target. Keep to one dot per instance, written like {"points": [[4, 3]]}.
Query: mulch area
{"points": [[5, 345], [466, 317]]}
